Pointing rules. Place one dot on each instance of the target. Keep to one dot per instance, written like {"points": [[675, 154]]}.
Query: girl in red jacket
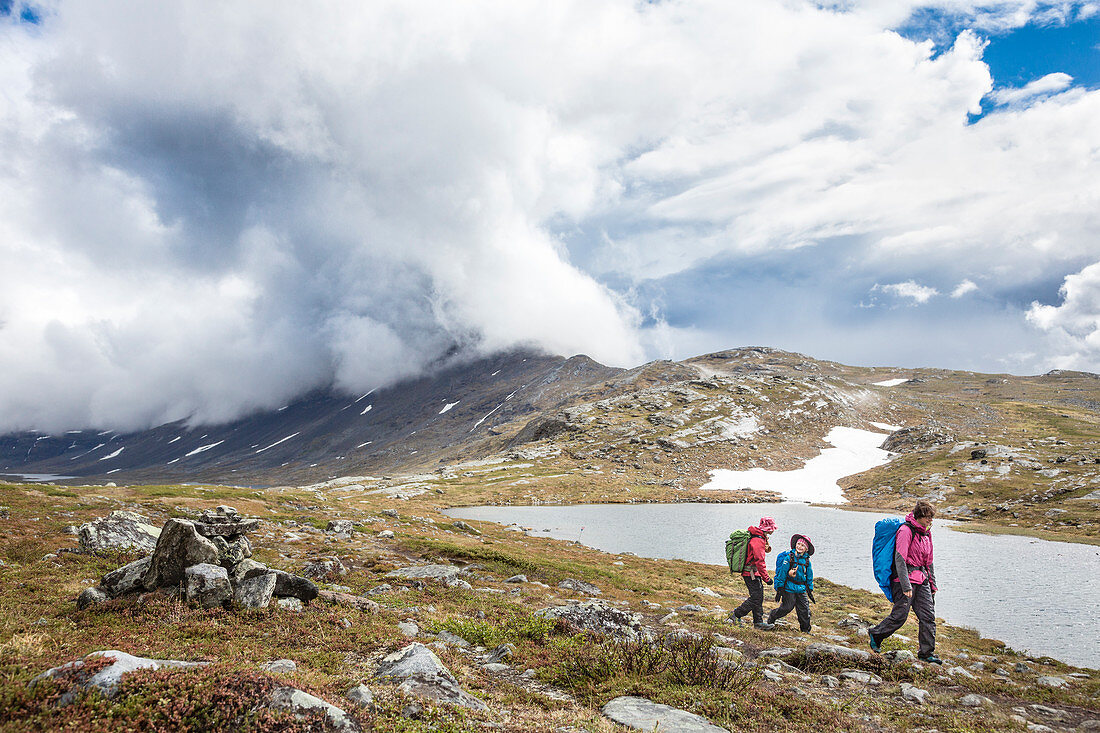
{"points": [[756, 575]]}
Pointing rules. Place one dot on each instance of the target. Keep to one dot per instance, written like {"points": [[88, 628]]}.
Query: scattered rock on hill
{"points": [[911, 439], [914, 694], [207, 585], [126, 578], [294, 700], [442, 573], [91, 597], [179, 547], [326, 568], [579, 586], [598, 617], [107, 679], [119, 530], [425, 677], [841, 651], [641, 714]]}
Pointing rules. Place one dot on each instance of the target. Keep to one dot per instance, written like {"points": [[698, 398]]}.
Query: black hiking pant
{"points": [[923, 605], [754, 603], [793, 601]]}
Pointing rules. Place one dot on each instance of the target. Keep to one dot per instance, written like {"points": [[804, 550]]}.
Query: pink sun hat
{"points": [[767, 524]]}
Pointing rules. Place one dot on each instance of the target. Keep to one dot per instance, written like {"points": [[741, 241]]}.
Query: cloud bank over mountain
{"points": [[209, 209]]}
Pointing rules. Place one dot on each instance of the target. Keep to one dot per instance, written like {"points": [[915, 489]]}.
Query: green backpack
{"points": [[737, 547]]}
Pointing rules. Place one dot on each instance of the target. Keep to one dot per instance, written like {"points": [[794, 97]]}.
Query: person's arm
{"points": [[809, 576], [761, 562], [932, 576]]}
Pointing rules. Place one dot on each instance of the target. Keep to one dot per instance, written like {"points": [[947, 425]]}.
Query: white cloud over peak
{"points": [[909, 289], [1049, 84], [1074, 325], [964, 288], [207, 209]]}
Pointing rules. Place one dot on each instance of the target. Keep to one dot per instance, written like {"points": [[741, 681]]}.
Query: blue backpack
{"points": [[882, 552]]}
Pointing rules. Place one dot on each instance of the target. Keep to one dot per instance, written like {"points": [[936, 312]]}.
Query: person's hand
{"points": [[908, 593], [792, 572]]}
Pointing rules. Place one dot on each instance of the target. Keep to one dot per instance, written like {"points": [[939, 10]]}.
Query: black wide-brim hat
{"points": [[796, 537]]}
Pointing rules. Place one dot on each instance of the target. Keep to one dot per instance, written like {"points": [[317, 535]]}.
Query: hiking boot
{"points": [[764, 626], [874, 643], [930, 659], [735, 619]]}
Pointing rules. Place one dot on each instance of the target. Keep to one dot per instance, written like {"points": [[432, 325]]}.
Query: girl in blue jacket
{"points": [[794, 581]]}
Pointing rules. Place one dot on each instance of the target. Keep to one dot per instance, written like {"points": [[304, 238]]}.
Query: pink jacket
{"points": [[756, 563], [913, 544]]}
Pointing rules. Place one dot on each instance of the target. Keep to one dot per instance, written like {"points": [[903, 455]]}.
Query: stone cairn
{"points": [[208, 561]]}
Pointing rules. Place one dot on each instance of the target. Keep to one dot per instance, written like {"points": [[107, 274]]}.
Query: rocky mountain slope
{"points": [[1013, 451]]}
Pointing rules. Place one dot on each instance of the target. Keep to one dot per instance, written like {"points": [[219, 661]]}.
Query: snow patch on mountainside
{"points": [[854, 451]]}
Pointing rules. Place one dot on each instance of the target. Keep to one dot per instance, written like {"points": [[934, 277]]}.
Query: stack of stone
{"points": [[208, 561]]}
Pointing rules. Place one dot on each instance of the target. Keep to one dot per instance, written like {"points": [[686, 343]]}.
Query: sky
{"points": [[208, 209]]}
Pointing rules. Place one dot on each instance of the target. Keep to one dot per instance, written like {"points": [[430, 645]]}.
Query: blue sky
{"points": [[209, 209]]}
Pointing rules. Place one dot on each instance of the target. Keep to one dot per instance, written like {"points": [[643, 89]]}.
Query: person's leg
{"points": [[894, 621], [746, 605], [756, 595], [784, 608], [802, 603], [924, 606]]}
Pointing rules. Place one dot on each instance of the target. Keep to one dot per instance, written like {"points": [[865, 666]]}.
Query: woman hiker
{"points": [[913, 583], [755, 574], [794, 582]]}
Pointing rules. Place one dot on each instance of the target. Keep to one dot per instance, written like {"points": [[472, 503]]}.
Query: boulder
{"points": [[819, 649], [119, 530], [860, 676], [294, 586], [106, 680], [91, 597], [501, 652], [361, 694], [914, 694], [207, 585], [425, 677], [340, 526], [293, 605], [296, 701], [516, 579], [280, 666], [579, 586], [179, 547], [1053, 682], [900, 656], [974, 701], [246, 569], [326, 568], [442, 573], [233, 551], [598, 617], [126, 578], [255, 592], [641, 714], [409, 629], [464, 527]]}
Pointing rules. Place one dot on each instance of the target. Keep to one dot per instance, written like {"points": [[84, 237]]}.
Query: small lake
{"points": [[38, 477], [1032, 594]]}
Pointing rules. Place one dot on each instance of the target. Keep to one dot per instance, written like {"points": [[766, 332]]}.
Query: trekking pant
{"points": [[791, 602], [754, 603], [923, 605]]}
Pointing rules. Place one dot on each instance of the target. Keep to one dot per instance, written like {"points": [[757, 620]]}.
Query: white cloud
{"points": [[963, 288], [1049, 84], [1073, 326], [206, 209], [909, 289]]}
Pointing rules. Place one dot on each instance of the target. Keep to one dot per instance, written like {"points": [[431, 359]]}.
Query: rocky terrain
{"points": [[1018, 453], [411, 621]]}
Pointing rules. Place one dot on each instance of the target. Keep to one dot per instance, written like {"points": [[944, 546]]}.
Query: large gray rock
{"points": [[579, 586], [91, 597], [598, 617], [860, 676], [106, 680], [232, 551], [119, 530], [1051, 681], [361, 694], [255, 592], [294, 586], [179, 547], [326, 568], [814, 650], [340, 526], [442, 573], [247, 568], [207, 585], [914, 694], [425, 677], [298, 702], [641, 714], [126, 578]]}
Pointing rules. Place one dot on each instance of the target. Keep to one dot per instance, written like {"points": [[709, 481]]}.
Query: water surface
{"points": [[1033, 594]]}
